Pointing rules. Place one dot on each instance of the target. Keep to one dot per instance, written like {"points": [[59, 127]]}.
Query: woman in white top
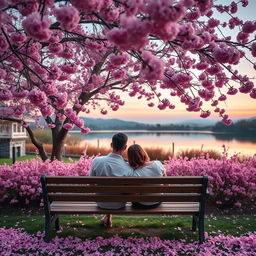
{"points": [[140, 162]]}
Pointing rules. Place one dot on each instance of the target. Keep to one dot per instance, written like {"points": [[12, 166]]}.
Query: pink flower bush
{"points": [[20, 182], [231, 183], [17, 242]]}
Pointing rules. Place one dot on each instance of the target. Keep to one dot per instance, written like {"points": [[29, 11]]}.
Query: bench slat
{"points": [[125, 189], [171, 197], [124, 180], [164, 208], [68, 203]]}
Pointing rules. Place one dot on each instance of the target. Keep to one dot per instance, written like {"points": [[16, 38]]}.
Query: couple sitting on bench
{"points": [[113, 164]]}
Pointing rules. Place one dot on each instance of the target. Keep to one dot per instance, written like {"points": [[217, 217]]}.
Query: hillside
{"points": [[117, 124], [111, 124], [241, 126]]}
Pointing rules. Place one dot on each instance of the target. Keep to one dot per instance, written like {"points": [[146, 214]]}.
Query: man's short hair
{"points": [[119, 140]]}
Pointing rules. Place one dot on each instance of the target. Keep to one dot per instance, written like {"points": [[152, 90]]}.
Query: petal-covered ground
{"points": [[14, 242]]}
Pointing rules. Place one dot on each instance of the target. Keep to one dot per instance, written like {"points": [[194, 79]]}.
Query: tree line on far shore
{"points": [[241, 127]]}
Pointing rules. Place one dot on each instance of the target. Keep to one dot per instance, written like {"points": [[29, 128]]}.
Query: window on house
{"points": [[5, 128], [14, 127]]}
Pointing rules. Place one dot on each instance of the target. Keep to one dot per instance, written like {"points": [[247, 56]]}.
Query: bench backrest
{"points": [[124, 189]]}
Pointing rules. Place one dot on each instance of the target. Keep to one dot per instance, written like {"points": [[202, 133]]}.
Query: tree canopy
{"points": [[60, 58]]}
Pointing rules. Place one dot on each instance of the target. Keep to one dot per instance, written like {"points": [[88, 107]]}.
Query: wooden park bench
{"points": [[183, 195]]}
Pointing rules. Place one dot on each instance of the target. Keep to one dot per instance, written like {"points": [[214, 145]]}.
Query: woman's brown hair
{"points": [[137, 156]]}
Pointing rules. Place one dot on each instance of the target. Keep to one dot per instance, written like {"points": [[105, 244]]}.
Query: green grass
{"points": [[8, 161], [140, 226]]}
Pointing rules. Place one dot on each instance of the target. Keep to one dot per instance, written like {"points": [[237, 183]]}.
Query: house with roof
{"points": [[12, 139]]}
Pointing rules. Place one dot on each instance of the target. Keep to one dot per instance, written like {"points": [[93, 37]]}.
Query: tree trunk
{"points": [[58, 139], [57, 150], [37, 144]]}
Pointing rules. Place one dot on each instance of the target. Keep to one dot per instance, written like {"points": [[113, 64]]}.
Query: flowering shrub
{"points": [[21, 181], [231, 183], [17, 242]]}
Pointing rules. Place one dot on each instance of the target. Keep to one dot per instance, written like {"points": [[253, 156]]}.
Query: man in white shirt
{"points": [[112, 165]]}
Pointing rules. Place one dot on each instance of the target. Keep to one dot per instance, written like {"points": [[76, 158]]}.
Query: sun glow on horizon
{"points": [[238, 106]]}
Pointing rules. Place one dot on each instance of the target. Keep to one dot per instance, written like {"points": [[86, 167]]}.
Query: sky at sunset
{"points": [[238, 106]]}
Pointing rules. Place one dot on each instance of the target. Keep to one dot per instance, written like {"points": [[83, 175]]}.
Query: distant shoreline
{"points": [[154, 131]]}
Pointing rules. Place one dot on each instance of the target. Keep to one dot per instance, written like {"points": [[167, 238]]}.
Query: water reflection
{"points": [[182, 140]]}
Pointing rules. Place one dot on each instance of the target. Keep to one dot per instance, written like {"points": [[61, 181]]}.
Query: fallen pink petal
{"points": [[17, 242]]}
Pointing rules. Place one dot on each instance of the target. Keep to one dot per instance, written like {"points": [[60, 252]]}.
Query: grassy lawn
{"points": [[140, 226], [8, 161]]}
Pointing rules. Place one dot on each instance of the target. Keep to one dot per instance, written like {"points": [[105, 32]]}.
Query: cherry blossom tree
{"points": [[61, 58]]}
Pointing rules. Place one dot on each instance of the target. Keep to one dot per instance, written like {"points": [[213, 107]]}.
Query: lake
{"points": [[182, 140]]}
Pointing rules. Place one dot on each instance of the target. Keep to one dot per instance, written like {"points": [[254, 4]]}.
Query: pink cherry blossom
{"points": [[118, 60], [37, 28], [154, 67], [233, 8], [68, 16], [103, 111], [249, 27], [227, 121], [68, 126], [28, 6], [88, 5], [232, 91], [85, 130], [205, 114], [37, 97], [222, 97], [3, 4], [55, 48], [213, 23], [246, 88], [253, 48], [253, 93], [18, 38]]}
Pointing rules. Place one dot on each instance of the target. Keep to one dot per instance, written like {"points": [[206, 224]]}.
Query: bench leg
{"points": [[57, 223], [194, 222], [47, 237], [201, 229]]}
